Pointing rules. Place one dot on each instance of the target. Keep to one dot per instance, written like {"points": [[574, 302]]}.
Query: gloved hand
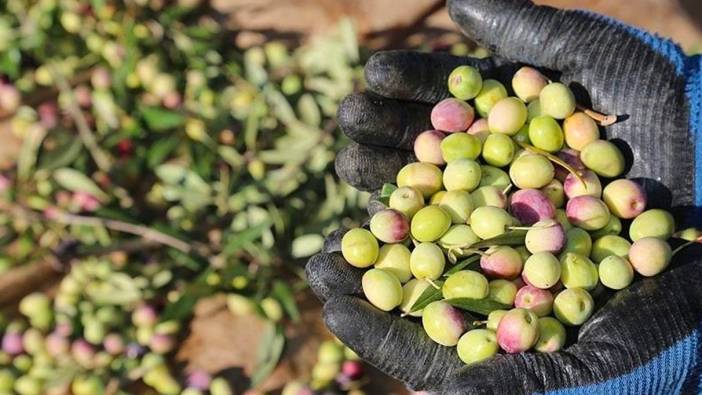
{"points": [[647, 339]]}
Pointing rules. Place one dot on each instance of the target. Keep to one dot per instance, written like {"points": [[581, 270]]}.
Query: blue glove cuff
{"points": [[689, 68]]}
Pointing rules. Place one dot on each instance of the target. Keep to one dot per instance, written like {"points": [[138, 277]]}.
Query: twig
{"points": [[125, 227], [86, 135], [604, 120]]}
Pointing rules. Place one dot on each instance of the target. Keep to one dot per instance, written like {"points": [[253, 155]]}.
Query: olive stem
{"points": [[603, 119], [433, 284], [507, 189], [520, 227], [685, 245]]}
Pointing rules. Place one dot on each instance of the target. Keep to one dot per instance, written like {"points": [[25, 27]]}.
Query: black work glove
{"points": [[646, 339]]}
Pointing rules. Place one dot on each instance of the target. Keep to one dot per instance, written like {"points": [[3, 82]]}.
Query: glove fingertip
{"points": [[329, 275]]}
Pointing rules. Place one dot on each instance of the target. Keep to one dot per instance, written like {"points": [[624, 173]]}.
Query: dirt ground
{"points": [[379, 20]]}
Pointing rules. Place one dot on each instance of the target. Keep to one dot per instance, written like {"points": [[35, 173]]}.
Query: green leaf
{"points": [[479, 306], [429, 295], [238, 240], [385, 193], [471, 263], [269, 351], [29, 152], [183, 307], [62, 156], [284, 294], [160, 150], [307, 245], [512, 238], [160, 119], [75, 181]]}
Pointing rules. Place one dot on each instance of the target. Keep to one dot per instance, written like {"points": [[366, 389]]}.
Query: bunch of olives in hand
{"points": [[500, 233]]}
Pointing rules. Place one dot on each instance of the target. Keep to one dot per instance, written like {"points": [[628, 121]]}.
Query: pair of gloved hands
{"points": [[647, 338]]}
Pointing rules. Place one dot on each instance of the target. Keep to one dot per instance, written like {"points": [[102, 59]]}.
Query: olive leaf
{"points": [[385, 193], [429, 295], [75, 181], [479, 306], [511, 238], [471, 263]]}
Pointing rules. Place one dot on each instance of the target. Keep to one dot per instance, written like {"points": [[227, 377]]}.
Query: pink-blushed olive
{"points": [[12, 343], [458, 204], [389, 226], [424, 177], [460, 146], [452, 115], [507, 116], [382, 289], [502, 291], [555, 193], [477, 345], [489, 196], [492, 92], [542, 270], [652, 223], [395, 259], [527, 83], [465, 82], [410, 294], [479, 129], [609, 245], [580, 130], [114, 344], [625, 198], [616, 272], [572, 158], [587, 212], [144, 315], [552, 335], [518, 331], [427, 147], [462, 174], [531, 171], [538, 301], [604, 158], [443, 323], [530, 206], [494, 318], [359, 247], [545, 236], [406, 200], [557, 100], [650, 256], [465, 284], [573, 306], [573, 187], [502, 262], [430, 223], [577, 271]]}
